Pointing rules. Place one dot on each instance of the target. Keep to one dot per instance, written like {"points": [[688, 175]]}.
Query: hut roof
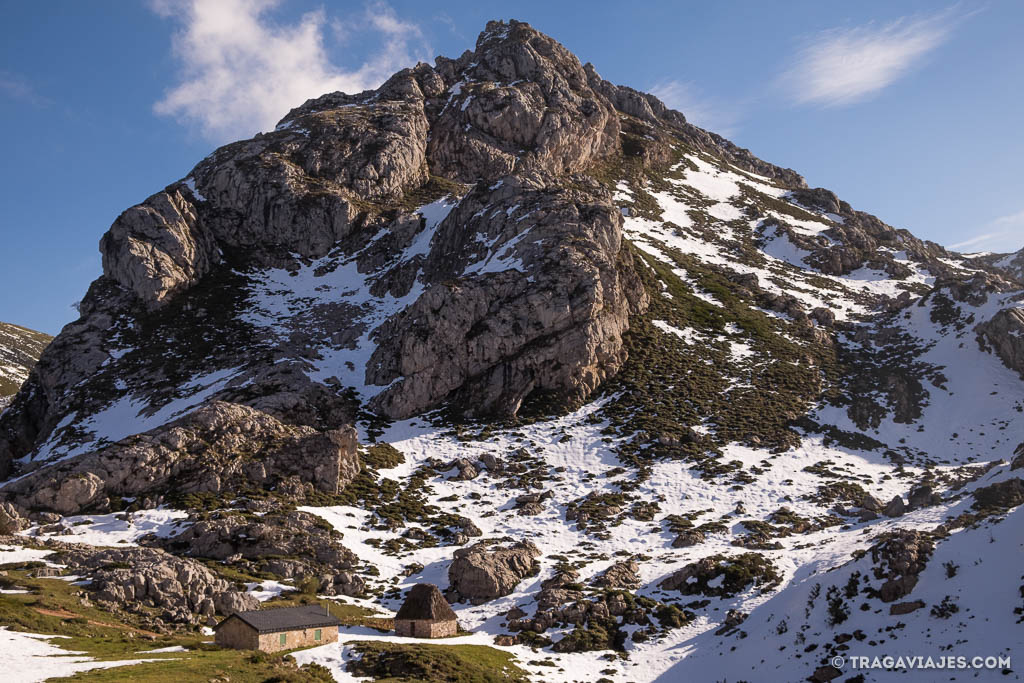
{"points": [[285, 618], [426, 602]]}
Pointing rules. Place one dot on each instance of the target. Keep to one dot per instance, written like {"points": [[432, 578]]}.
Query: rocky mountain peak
{"points": [[505, 324]]}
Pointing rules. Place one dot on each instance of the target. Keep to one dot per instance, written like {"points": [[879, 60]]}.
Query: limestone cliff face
{"points": [[520, 287], [550, 318]]}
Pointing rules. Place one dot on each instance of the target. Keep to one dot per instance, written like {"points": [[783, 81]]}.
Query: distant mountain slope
{"points": [[20, 348], [1012, 264]]}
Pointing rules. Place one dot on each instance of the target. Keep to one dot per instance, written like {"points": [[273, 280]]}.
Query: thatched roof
{"points": [[426, 602]]}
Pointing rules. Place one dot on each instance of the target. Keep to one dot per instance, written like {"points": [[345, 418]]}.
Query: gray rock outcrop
{"points": [[219, 447], [625, 574], [1004, 495], [899, 556], [484, 572], [290, 545], [551, 321], [135, 579], [1004, 334], [11, 522]]}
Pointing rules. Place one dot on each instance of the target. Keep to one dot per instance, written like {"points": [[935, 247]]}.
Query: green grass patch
{"points": [[393, 662]]}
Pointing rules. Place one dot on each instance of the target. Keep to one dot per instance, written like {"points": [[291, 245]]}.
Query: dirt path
{"points": [[64, 614]]}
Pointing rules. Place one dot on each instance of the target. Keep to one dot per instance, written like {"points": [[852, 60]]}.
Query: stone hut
{"points": [[426, 614], [284, 628]]}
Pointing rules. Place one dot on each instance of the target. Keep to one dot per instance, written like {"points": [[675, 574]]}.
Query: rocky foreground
{"points": [[641, 404]]}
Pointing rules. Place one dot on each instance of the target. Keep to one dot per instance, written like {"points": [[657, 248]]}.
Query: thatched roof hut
{"points": [[426, 614]]}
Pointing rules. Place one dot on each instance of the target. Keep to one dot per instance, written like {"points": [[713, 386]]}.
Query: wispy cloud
{"points": [[241, 71], [17, 88], [843, 66], [1005, 233], [706, 112]]}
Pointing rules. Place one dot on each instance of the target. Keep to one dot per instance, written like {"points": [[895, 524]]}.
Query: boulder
{"points": [[529, 504], [824, 674], [229, 602], [10, 521], [625, 574], [869, 502], [1004, 495], [688, 538], [905, 607], [922, 496], [899, 556], [895, 507], [484, 572], [467, 470]]}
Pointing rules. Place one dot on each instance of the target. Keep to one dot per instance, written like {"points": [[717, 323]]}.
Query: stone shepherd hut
{"points": [[283, 628], [426, 614]]}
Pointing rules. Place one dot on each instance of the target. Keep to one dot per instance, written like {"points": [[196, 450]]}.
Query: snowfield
{"points": [[31, 658]]}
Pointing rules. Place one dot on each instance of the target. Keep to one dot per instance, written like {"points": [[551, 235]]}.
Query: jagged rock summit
{"points": [[479, 294]]}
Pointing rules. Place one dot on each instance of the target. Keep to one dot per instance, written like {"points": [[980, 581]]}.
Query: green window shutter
{"points": [[284, 638], [317, 634]]}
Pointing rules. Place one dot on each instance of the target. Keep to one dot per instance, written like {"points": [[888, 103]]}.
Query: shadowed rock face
{"points": [[1005, 334], [19, 350]]}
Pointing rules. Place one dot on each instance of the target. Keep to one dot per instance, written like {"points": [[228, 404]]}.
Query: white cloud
{"points": [[843, 66], [1015, 219], [705, 112], [1004, 234], [241, 71]]}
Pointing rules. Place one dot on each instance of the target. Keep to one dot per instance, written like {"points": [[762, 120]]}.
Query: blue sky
{"points": [[908, 110]]}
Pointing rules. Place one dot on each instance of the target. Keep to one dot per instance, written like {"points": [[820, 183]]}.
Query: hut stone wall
{"points": [[271, 642], [241, 636], [425, 628]]}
